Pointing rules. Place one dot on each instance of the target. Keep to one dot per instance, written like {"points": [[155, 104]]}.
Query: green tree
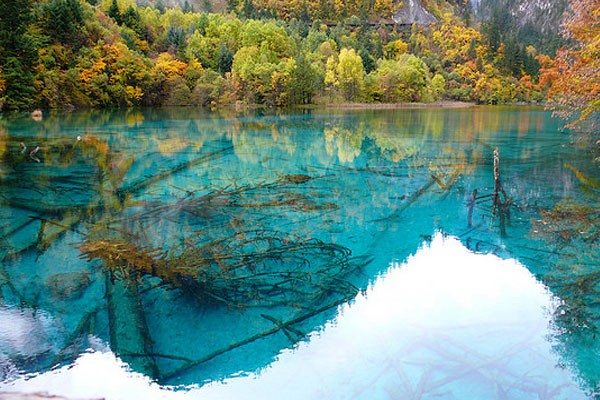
{"points": [[63, 20], [202, 23], [208, 89], [269, 35], [316, 36], [304, 81], [179, 94], [175, 40], [203, 49], [496, 29], [248, 10], [232, 5], [262, 78], [187, 8], [369, 62], [403, 79], [131, 18], [18, 53], [224, 59], [115, 13], [438, 86]]}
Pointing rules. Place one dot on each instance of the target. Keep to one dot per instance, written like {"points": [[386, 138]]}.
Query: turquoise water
{"points": [[316, 254]]}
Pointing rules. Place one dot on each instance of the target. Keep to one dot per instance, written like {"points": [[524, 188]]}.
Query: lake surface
{"points": [[340, 254]]}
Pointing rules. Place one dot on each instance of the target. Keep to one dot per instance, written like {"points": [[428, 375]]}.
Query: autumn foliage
{"points": [[116, 53], [574, 75]]}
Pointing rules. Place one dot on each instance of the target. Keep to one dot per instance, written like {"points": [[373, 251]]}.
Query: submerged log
{"points": [[471, 206], [129, 336], [297, 178], [144, 183], [67, 286], [279, 326], [52, 230], [496, 195], [255, 268], [500, 207], [408, 202]]}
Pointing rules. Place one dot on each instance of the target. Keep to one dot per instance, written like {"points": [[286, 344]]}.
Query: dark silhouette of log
{"points": [[144, 183], [127, 325]]}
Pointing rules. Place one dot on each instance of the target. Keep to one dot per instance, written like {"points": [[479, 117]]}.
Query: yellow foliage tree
{"points": [[168, 66], [349, 74], [575, 73], [383, 7], [2, 83], [396, 48]]}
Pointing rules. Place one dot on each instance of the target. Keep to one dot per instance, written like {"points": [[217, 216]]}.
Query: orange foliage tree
{"points": [[574, 75]]}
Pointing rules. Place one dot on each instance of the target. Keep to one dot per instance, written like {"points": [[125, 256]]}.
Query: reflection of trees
{"points": [[253, 142], [231, 194], [45, 200], [3, 146], [570, 230], [124, 176], [344, 143]]}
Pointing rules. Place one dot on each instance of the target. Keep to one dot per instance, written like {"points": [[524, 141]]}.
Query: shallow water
{"points": [[330, 254]]}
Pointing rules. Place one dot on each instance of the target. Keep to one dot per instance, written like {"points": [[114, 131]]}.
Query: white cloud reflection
{"points": [[447, 324]]}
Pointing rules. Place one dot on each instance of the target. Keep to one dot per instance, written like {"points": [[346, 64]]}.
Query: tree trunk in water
{"points": [[129, 336]]}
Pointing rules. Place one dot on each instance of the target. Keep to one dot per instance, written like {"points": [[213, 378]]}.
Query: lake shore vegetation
{"points": [[573, 75], [73, 54]]}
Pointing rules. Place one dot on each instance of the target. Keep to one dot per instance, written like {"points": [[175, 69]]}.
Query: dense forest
{"points": [[121, 53]]}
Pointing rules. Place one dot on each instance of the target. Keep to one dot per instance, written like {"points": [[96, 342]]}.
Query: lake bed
{"points": [[319, 253]]}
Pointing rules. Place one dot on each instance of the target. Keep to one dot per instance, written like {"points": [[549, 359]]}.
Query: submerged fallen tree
{"points": [[247, 269]]}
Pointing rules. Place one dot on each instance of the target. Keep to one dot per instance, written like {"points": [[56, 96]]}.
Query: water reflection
{"points": [[442, 324], [168, 193], [25, 334]]}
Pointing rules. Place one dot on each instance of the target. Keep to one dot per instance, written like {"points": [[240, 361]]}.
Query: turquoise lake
{"points": [[312, 254]]}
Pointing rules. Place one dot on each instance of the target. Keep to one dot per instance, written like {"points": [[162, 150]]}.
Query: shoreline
{"points": [[366, 106], [39, 114]]}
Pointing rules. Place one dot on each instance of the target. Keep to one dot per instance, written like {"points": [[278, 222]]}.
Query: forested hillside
{"points": [[530, 22], [118, 53]]}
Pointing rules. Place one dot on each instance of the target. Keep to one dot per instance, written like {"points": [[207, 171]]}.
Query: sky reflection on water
{"points": [[371, 184], [446, 323]]}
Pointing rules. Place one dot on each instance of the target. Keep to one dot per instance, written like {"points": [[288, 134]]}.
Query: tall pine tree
{"points": [[18, 53], [115, 13], [63, 21]]}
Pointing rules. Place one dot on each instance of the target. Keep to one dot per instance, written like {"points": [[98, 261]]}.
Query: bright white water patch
{"points": [[96, 375], [447, 324]]}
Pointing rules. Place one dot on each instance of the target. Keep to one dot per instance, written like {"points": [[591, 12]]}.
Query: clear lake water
{"points": [[319, 253]]}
